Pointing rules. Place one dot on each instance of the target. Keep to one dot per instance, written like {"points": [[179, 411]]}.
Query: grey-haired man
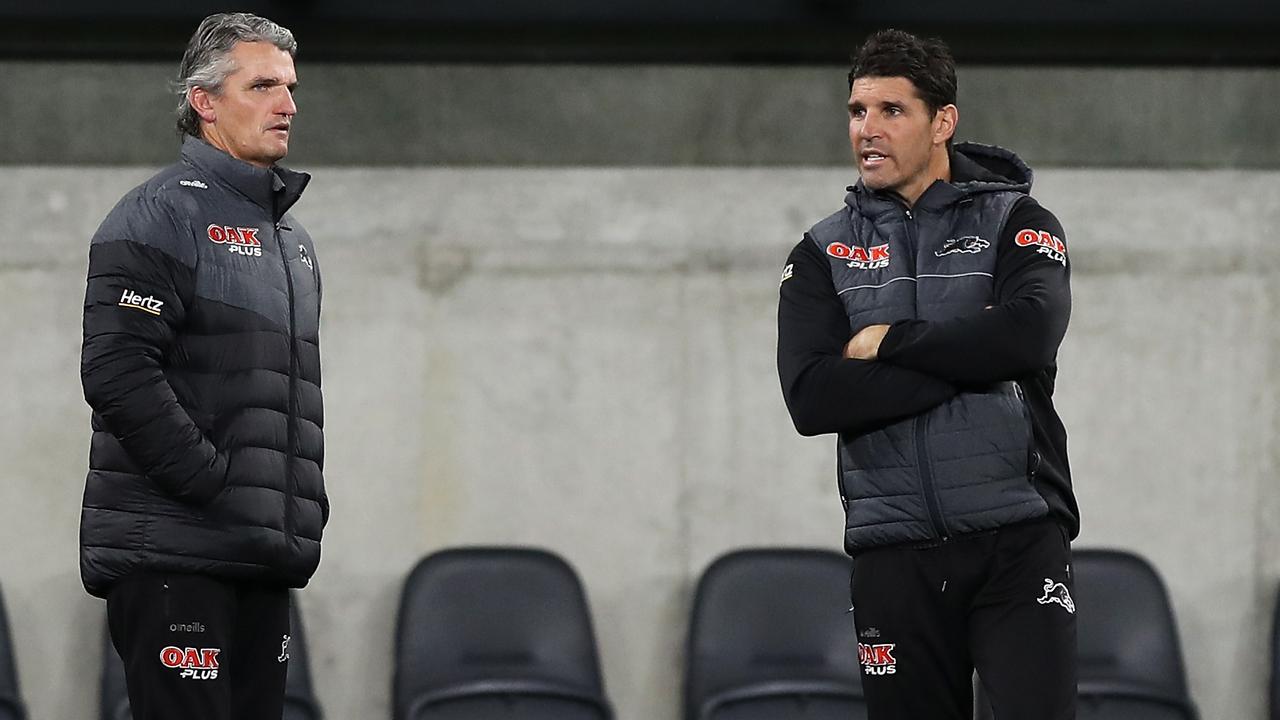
{"points": [[205, 501]]}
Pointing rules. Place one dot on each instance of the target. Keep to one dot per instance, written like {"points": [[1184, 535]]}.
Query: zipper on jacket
{"points": [[844, 499], [910, 224], [922, 454], [292, 433], [926, 480], [1033, 456]]}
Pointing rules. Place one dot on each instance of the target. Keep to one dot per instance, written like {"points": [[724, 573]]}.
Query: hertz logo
{"points": [[148, 304]]}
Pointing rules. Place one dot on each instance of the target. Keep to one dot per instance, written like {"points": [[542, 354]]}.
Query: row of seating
{"points": [[506, 633]]}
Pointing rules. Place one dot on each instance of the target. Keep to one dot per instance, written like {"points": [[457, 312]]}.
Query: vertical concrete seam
{"points": [[684, 420]]}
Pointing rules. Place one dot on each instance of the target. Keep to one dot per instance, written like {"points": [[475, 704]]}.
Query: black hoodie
{"points": [[925, 363]]}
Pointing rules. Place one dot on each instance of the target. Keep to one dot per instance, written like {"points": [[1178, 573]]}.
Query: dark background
{"points": [[1111, 32]]}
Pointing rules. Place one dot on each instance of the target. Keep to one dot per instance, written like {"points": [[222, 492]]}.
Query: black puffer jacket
{"points": [[201, 362]]}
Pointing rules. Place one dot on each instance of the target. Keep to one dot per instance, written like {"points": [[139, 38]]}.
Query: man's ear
{"points": [[944, 124], [202, 102]]}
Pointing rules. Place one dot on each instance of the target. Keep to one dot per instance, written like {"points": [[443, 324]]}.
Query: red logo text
{"points": [[239, 240], [196, 664], [877, 659], [872, 258], [1044, 243]]}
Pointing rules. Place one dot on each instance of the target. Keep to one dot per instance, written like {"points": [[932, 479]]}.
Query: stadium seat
{"points": [[1130, 662], [114, 695], [299, 700], [494, 633], [1275, 661], [771, 636], [11, 707]]}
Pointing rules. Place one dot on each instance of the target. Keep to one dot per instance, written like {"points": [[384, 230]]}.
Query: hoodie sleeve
{"points": [[140, 284], [1016, 337], [824, 392]]}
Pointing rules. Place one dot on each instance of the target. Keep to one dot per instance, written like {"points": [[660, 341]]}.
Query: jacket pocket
{"points": [[1033, 455]]}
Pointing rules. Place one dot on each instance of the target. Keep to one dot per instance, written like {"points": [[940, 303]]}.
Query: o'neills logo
{"points": [[239, 240], [872, 258], [1043, 242], [877, 659], [195, 664]]}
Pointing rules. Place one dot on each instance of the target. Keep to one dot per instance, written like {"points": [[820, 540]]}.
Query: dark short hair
{"points": [[926, 62]]}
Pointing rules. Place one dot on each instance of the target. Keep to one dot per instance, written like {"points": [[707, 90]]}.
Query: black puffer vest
{"points": [[966, 465]]}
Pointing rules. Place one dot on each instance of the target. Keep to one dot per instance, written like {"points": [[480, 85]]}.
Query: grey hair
{"points": [[207, 61]]}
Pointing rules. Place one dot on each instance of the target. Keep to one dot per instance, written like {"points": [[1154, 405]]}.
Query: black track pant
{"points": [[195, 648], [999, 602]]}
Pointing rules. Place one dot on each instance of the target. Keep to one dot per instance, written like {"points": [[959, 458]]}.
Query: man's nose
{"points": [[287, 106], [869, 128]]}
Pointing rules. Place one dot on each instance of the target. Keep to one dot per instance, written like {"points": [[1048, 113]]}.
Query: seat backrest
{"points": [[770, 619], [11, 706], [113, 702], [1127, 637], [1275, 661], [299, 697], [494, 619]]}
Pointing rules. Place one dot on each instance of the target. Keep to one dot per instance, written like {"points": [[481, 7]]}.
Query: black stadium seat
{"points": [[494, 633], [11, 707], [771, 636], [114, 695], [1130, 662], [1275, 661], [1130, 659], [299, 700]]}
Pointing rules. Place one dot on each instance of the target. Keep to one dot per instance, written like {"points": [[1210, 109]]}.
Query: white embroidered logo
{"points": [[966, 244], [1056, 592], [284, 650], [148, 304]]}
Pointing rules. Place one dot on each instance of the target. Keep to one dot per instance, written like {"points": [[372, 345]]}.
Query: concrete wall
{"points": [[582, 359], [651, 115]]}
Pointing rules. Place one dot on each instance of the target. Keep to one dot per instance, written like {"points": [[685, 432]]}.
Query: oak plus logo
{"points": [[877, 659], [134, 301], [195, 664], [239, 240], [875, 257], [1044, 243]]}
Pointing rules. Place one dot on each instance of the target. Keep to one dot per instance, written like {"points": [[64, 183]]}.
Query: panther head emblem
{"points": [[966, 244]]}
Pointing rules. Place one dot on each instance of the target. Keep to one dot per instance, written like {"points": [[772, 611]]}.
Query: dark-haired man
{"points": [[204, 501], [921, 324]]}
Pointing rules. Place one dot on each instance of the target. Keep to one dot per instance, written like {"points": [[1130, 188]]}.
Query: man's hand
{"points": [[866, 344]]}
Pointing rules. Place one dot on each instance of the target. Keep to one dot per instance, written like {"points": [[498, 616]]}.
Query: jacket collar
{"points": [[274, 189], [975, 169]]}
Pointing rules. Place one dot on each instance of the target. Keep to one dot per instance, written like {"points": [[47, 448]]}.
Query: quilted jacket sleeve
{"points": [[140, 285]]}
